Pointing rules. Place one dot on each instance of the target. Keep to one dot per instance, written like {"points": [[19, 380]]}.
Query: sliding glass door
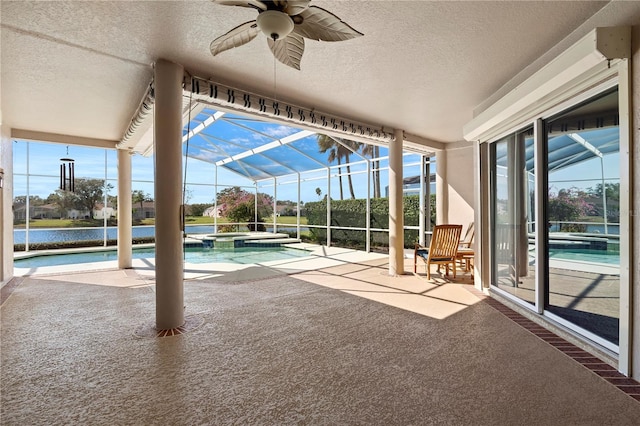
{"points": [[513, 224], [578, 280], [583, 240]]}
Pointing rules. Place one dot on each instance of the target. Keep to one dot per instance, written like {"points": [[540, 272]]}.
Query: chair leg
{"points": [[454, 268]]}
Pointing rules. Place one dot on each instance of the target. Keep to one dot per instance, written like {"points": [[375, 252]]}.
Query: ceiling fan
{"points": [[285, 23]]}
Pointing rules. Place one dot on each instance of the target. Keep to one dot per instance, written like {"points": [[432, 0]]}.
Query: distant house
{"points": [[45, 211], [411, 185], [146, 211], [77, 214], [213, 212], [100, 211]]}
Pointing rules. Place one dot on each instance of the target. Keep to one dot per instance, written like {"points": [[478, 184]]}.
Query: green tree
{"points": [[339, 150], [373, 151], [64, 200], [612, 196], [34, 200], [139, 196], [113, 200], [198, 209], [568, 205], [88, 192]]}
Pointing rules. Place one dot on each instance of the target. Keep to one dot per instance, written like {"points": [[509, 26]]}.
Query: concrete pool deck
{"points": [[331, 339]]}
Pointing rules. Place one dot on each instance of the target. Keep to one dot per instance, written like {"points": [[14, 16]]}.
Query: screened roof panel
{"points": [[266, 165], [258, 149], [569, 148], [294, 159]]}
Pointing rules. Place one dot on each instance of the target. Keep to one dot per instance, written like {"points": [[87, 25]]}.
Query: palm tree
{"points": [[337, 151], [325, 143], [139, 196], [374, 152]]}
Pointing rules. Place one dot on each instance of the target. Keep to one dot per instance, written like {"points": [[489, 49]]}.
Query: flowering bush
{"points": [[239, 205], [569, 205]]}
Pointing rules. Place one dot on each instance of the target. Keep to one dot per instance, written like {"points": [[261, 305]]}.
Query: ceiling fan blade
{"points": [[320, 24], [289, 50], [254, 4], [238, 36], [295, 7]]}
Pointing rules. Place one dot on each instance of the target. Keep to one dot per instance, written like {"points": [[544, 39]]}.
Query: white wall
{"points": [[459, 184], [635, 212]]}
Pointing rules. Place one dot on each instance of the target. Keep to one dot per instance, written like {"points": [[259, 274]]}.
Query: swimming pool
{"points": [[586, 255], [244, 255]]}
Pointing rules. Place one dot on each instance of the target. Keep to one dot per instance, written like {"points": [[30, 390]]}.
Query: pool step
{"points": [[271, 242]]}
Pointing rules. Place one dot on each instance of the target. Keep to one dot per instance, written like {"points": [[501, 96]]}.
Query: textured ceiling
{"points": [[81, 68]]}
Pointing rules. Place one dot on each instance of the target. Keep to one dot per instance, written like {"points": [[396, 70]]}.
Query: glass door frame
{"points": [[620, 79]]}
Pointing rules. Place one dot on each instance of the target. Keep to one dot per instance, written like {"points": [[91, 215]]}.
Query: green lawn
{"points": [[63, 223]]}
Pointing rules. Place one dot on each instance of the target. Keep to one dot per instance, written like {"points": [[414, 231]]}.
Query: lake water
{"points": [[37, 235]]}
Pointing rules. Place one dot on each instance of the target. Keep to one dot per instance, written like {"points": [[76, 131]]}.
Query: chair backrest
{"points": [[467, 240], [444, 241]]}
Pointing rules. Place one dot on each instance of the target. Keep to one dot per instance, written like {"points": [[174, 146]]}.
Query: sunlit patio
{"points": [[338, 343]]}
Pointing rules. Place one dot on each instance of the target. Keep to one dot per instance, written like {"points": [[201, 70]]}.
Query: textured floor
{"points": [[285, 350]]}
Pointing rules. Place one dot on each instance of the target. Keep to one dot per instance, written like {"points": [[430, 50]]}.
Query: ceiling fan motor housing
{"points": [[275, 24]]}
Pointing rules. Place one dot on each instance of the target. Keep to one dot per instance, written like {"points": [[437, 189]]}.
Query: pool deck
{"points": [[327, 339]]}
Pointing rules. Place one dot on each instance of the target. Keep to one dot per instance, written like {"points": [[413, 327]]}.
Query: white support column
{"points": [[298, 210], [396, 215], [124, 210], [6, 203], [215, 199], [275, 205], [167, 139], [368, 213], [422, 212], [328, 207], [442, 193], [105, 236], [27, 217], [255, 207]]}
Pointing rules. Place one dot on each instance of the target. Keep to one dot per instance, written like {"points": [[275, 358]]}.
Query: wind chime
{"points": [[67, 179]]}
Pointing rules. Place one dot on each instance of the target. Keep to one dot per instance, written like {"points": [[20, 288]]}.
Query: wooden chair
{"points": [[467, 241], [465, 248], [442, 250]]}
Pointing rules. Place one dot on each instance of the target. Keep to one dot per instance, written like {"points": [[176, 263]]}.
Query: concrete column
{"points": [[167, 140], [396, 214], [124, 210], [442, 193], [6, 203]]}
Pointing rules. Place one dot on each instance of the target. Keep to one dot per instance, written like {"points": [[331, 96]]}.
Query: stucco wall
{"points": [[6, 215], [460, 184], [635, 212]]}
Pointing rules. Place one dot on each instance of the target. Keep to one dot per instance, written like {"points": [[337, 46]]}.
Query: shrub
{"points": [[352, 213]]}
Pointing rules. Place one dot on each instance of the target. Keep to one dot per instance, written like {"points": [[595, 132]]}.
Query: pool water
{"points": [[242, 255], [591, 256]]}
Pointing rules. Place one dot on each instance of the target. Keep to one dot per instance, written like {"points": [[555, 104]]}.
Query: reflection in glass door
{"points": [[583, 217], [512, 198]]}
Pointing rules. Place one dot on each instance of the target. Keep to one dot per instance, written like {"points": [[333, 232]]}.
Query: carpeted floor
{"points": [[280, 351]]}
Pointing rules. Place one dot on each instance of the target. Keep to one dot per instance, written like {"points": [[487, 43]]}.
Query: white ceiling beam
{"points": [[423, 144], [200, 127], [582, 141], [32, 135]]}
